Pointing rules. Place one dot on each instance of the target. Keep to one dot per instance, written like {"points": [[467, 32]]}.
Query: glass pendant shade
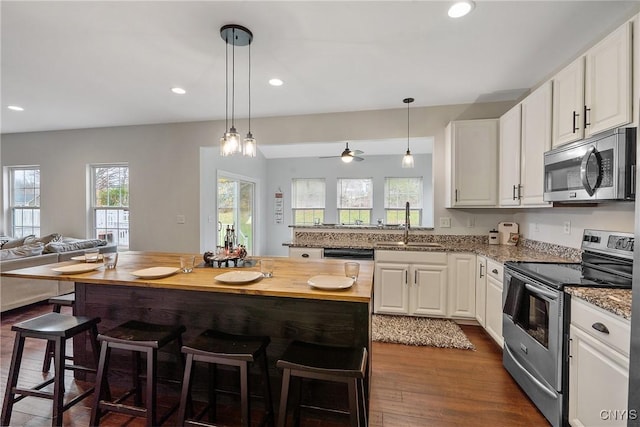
{"points": [[407, 160], [249, 147], [230, 143]]}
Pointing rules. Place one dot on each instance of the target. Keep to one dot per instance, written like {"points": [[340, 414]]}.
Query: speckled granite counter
{"points": [[616, 301], [527, 250]]}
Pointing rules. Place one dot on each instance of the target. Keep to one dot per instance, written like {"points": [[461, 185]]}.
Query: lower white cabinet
{"points": [[462, 285], [306, 253], [598, 367], [481, 290], [493, 307], [410, 283]]}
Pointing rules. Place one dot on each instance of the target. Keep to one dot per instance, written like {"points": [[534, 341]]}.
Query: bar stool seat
{"points": [[219, 348], [66, 300], [56, 328], [327, 363], [137, 337]]}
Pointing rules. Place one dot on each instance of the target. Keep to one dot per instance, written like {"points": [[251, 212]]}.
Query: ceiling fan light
{"points": [[407, 160], [347, 158]]}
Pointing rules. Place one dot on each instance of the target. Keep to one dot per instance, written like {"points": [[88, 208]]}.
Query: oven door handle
{"points": [[536, 381], [537, 290]]}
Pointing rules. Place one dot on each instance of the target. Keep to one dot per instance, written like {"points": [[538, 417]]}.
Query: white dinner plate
{"points": [[238, 276], [324, 281], [77, 268], [155, 272], [82, 258]]}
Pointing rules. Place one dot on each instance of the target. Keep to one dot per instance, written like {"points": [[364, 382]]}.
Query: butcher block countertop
{"points": [[289, 277]]}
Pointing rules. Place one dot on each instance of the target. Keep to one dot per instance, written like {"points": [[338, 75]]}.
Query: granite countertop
{"points": [[616, 301]]}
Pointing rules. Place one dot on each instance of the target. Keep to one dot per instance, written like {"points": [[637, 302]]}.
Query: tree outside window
{"points": [[355, 200], [24, 204], [308, 200], [399, 191], [110, 203]]}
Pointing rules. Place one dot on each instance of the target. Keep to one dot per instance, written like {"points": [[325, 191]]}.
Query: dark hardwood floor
{"points": [[411, 386]]}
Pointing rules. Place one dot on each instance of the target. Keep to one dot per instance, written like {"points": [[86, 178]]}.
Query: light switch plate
{"points": [[445, 222], [180, 219], [567, 227]]}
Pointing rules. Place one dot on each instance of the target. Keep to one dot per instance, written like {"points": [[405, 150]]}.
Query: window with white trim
{"points": [[110, 203], [399, 191], [24, 200], [308, 200], [355, 200]]}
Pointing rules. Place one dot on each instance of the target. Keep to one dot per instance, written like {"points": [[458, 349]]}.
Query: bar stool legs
{"points": [[56, 328]]}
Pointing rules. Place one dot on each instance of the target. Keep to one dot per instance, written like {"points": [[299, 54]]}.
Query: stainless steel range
{"points": [[536, 315]]}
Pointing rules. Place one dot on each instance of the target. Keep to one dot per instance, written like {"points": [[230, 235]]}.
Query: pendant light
{"points": [[231, 143], [407, 160]]}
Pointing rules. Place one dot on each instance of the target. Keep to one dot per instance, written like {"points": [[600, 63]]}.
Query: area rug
{"points": [[419, 331]]}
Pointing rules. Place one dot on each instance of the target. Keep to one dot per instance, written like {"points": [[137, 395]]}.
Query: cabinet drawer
{"points": [[305, 253], [495, 269], [585, 316], [412, 257]]}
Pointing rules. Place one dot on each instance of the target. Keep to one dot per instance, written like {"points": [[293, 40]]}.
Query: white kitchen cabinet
{"points": [[481, 289], [509, 157], [594, 93], [536, 139], [410, 283], [493, 315], [306, 253], [462, 285], [525, 135], [471, 160], [598, 367]]}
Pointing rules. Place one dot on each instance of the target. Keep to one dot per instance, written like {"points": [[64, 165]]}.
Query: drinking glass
{"points": [[266, 267], [110, 260], [91, 255], [352, 269], [186, 263]]}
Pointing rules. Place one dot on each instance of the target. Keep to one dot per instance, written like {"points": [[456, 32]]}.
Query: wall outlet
{"points": [[471, 222], [445, 222], [535, 227], [566, 227], [180, 219]]}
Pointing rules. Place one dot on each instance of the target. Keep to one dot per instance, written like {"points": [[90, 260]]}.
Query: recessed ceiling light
{"points": [[178, 90], [15, 108], [461, 8], [276, 82]]}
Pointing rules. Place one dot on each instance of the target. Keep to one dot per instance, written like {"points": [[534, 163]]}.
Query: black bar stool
{"points": [[67, 300], [219, 348], [57, 328], [327, 363], [137, 337]]}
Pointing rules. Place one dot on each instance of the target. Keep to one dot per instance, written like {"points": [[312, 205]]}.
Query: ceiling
{"points": [[94, 64]]}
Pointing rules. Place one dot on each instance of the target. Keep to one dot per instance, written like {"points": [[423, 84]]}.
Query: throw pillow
{"points": [[4, 239], [53, 237], [73, 246], [18, 242], [32, 249]]}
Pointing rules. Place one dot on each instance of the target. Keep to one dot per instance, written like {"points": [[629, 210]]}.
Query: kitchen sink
{"points": [[408, 245]]}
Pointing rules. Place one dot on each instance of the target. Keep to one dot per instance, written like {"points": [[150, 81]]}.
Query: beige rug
{"points": [[419, 331]]}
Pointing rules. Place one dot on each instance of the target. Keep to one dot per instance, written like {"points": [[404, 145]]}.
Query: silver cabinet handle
{"points": [[415, 277], [600, 327], [481, 275]]}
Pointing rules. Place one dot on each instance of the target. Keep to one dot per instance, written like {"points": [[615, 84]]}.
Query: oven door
{"points": [[532, 329]]}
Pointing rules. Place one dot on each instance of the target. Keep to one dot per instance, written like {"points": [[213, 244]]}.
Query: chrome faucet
{"points": [[407, 224]]}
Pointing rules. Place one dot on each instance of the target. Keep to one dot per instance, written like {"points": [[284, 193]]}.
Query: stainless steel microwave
{"points": [[600, 168]]}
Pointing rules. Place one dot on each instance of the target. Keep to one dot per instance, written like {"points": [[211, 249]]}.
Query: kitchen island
{"points": [[283, 307]]}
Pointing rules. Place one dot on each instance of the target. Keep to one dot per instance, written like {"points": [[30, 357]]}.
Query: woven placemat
{"points": [[419, 331]]}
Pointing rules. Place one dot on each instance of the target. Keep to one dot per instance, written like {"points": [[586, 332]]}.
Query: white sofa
{"points": [[17, 292]]}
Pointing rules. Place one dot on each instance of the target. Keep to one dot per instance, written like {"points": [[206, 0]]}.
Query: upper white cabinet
{"points": [[471, 151], [525, 135], [593, 93]]}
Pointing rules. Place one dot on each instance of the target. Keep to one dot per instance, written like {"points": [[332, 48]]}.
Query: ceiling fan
{"points": [[348, 155]]}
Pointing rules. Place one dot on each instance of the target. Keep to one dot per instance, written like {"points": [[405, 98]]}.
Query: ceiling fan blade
{"points": [[328, 157], [358, 159], [357, 152]]}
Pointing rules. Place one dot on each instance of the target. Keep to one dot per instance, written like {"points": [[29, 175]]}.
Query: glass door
{"points": [[236, 202]]}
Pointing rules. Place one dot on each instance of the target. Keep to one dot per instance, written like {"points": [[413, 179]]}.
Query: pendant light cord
{"points": [[233, 82], [249, 87], [407, 126], [226, 85]]}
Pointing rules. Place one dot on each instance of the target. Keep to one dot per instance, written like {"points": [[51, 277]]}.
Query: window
{"points": [[355, 200], [110, 203], [24, 203], [399, 191], [308, 199]]}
